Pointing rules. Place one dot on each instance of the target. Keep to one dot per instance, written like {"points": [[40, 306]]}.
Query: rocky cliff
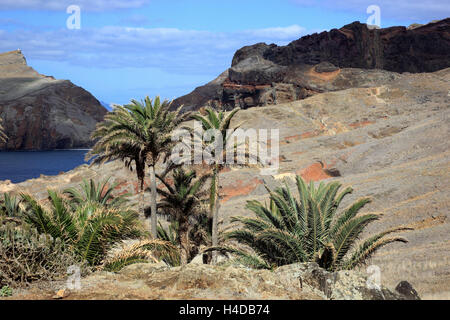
{"points": [[42, 113], [269, 74]]}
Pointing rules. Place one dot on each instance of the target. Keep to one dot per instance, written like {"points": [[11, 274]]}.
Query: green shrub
{"points": [[6, 291], [89, 229], [308, 228]]}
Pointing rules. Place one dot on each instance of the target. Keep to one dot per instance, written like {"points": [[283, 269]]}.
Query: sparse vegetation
{"points": [[88, 224], [307, 228]]}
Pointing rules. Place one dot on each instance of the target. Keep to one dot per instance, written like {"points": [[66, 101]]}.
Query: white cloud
{"points": [[169, 49], [424, 10], [61, 5], [277, 33]]}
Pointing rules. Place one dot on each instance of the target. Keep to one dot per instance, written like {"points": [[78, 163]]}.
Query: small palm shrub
{"points": [[10, 206], [182, 203], [199, 236], [100, 193], [90, 228], [27, 256], [308, 228]]}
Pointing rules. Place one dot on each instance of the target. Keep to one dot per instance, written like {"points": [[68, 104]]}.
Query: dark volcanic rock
{"points": [[268, 74], [407, 290], [42, 113]]}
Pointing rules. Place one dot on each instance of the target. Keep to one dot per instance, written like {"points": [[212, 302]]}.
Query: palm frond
{"points": [[308, 228]]}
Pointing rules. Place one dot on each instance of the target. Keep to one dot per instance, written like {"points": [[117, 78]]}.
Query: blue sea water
{"points": [[19, 166]]}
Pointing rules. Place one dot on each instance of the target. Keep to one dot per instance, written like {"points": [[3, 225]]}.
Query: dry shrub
{"points": [[26, 256]]}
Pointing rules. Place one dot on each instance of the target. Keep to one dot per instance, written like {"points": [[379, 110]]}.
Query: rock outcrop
{"points": [[224, 282], [353, 56], [41, 113]]}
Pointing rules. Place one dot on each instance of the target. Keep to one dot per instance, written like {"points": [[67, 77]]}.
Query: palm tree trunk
{"points": [[154, 220], [184, 242], [142, 204], [215, 214]]}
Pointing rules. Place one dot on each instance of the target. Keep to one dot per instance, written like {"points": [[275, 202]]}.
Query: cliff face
{"points": [[42, 113], [268, 74]]}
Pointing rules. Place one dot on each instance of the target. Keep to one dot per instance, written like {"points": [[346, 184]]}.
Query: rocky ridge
{"points": [[349, 57], [40, 112]]}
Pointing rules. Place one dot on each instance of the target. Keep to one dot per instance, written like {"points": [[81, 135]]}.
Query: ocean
{"points": [[19, 166]]}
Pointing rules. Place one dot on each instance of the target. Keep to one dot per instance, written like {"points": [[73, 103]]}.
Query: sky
{"points": [[128, 49]]}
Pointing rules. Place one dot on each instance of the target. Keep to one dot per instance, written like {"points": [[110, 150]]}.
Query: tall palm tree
{"points": [[3, 136], [216, 121], [182, 203], [138, 133], [309, 228], [101, 193], [90, 228]]}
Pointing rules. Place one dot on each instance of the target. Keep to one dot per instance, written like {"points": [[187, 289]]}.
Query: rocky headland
{"points": [[42, 113]]}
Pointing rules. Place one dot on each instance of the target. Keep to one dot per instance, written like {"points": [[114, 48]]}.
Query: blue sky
{"points": [[132, 48]]}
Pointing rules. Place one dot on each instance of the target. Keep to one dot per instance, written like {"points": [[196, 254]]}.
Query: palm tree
{"points": [[3, 136], [10, 206], [216, 121], [138, 133], [101, 193], [309, 228], [182, 203], [90, 228]]}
